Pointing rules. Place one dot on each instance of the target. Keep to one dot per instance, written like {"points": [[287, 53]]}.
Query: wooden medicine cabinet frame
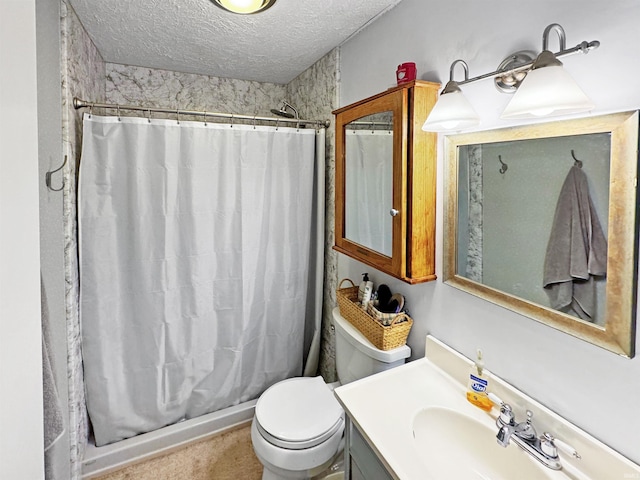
{"points": [[414, 182]]}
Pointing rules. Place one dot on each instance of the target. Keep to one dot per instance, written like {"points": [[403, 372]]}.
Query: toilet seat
{"points": [[298, 413]]}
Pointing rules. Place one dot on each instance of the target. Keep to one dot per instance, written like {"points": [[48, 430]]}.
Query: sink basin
{"points": [[454, 445]]}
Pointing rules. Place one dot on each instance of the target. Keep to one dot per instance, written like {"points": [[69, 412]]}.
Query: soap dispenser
{"points": [[477, 386]]}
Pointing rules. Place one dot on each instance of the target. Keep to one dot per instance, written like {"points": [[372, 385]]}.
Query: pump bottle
{"points": [[477, 386], [365, 290]]}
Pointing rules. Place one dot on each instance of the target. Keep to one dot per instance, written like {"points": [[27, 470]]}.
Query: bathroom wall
{"points": [[83, 72], [21, 453], [591, 387]]}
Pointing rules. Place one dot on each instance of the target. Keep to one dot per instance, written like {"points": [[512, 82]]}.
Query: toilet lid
{"points": [[299, 410]]}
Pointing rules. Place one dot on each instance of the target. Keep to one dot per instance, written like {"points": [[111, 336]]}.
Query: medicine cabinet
{"points": [[386, 182]]}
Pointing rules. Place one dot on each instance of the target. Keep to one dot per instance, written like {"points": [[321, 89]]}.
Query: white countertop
{"points": [[384, 405]]}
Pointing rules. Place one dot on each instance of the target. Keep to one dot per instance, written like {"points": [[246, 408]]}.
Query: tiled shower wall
{"points": [[83, 73], [86, 76], [315, 94], [187, 91]]}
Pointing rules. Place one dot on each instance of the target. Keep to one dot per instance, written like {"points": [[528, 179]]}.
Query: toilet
{"points": [[298, 425]]}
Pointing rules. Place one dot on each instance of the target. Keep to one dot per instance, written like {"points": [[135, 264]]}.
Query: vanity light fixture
{"points": [[244, 7], [542, 87], [452, 111], [548, 89]]}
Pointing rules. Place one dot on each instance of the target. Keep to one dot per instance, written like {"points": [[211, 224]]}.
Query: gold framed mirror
{"points": [[541, 219]]}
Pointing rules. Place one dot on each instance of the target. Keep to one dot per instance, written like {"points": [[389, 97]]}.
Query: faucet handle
{"points": [[550, 446], [506, 415]]}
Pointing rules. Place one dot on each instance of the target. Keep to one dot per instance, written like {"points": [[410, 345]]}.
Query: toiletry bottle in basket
{"points": [[365, 290]]}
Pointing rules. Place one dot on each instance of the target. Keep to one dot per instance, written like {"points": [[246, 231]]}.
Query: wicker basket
{"points": [[385, 319], [383, 337]]}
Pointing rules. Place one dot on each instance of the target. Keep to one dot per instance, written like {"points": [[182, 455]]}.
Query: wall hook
{"points": [[576, 162], [47, 177], [504, 166]]}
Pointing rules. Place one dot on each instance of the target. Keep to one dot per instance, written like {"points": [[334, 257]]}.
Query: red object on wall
{"points": [[406, 72]]}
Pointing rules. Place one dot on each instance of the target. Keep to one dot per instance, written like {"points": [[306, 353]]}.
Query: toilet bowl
{"points": [[298, 424], [297, 428]]}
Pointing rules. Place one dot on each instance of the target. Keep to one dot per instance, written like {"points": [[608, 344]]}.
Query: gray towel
{"points": [[577, 249], [53, 418]]}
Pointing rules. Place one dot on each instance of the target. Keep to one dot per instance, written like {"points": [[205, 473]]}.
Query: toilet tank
{"points": [[357, 357]]}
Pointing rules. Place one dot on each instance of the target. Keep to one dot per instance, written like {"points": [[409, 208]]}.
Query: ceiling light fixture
{"points": [[244, 7], [542, 87]]}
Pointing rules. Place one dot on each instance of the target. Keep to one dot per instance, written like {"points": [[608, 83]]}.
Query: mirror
{"points": [[541, 219], [369, 181]]}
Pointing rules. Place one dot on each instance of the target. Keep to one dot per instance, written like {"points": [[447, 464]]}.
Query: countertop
{"points": [[384, 405]]}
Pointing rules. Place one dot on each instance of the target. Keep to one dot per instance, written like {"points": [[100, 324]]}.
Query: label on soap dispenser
{"points": [[478, 384]]}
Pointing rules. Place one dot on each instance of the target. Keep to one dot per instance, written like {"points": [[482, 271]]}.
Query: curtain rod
{"points": [[78, 103]]}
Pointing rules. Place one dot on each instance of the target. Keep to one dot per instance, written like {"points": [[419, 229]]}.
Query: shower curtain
{"points": [[194, 266]]}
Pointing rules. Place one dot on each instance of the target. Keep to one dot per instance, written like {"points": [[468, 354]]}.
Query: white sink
{"points": [[419, 424], [458, 446]]}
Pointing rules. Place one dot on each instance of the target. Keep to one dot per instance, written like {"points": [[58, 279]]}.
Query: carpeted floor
{"points": [[226, 457]]}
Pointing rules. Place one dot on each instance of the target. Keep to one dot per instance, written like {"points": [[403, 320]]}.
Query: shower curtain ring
{"points": [[277, 123], [149, 115], [232, 120], [254, 120], [118, 111], [204, 117], [178, 116], [91, 110]]}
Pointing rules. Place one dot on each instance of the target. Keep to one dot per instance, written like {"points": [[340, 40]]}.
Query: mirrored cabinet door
{"points": [[385, 182], [368, 170]]}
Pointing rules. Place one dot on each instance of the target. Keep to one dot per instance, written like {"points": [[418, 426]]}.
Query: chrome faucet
{"points": [[543, 448]]}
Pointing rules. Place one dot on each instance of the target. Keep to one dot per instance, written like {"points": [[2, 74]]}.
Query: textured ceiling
{"points": [[195, 36]]}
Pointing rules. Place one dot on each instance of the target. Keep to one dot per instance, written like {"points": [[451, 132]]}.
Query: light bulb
{"points": [[244, 6]]}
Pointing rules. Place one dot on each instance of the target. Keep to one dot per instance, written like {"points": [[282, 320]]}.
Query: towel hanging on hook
{"points": [[576, 162]]}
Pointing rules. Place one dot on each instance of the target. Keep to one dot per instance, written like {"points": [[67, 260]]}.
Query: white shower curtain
{"points": [[194, 264]]}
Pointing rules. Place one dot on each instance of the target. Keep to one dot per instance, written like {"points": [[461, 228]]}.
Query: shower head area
{"points": [[283, 111]]}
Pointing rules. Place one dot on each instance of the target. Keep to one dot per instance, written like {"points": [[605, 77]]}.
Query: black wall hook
{"points": [[576, 162]]}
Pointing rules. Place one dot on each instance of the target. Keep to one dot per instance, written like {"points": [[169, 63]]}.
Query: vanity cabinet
{"points": [[386, 182], [361, 462]]}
